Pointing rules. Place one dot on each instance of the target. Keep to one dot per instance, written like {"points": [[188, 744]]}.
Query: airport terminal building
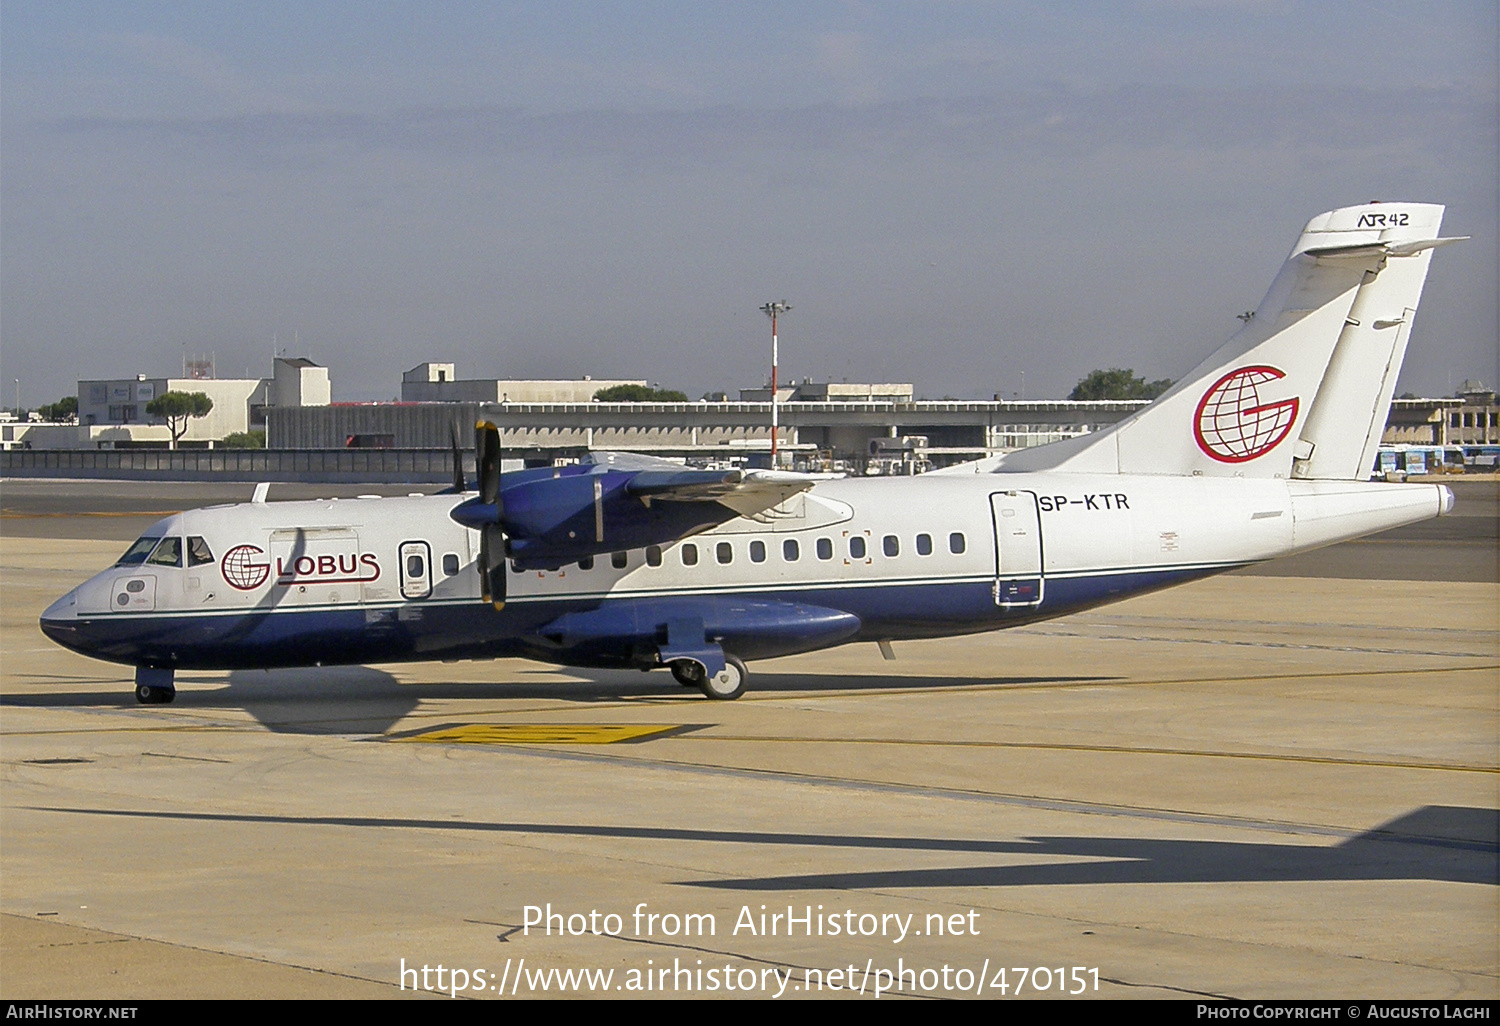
{"points": [[865, 428], [859, 427]]}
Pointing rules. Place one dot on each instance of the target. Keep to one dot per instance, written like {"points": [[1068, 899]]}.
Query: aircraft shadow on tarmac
{"points": [[1445, 843], [367, 700], [1442, 843]]}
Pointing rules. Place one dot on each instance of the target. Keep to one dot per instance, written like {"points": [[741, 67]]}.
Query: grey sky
{"points": [[951, 194]]}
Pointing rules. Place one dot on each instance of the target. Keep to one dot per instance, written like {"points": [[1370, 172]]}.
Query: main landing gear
{"points": [[154, 687], [726, 685]]}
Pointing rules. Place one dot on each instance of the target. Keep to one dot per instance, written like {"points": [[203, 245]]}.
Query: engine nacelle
{"points": [[558, 516]]}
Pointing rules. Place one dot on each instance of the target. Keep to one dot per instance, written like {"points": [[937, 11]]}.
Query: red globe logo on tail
{"points": [[245, 567], [1233, 424]]}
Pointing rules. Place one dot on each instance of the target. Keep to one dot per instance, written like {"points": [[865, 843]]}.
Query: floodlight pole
{"points": [[771, 310]]}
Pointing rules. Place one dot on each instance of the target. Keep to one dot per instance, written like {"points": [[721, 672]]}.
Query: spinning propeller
{"points": [[546, 517], [491, 536]]}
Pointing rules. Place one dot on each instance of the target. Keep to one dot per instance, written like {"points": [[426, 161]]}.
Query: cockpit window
{"points": [[198, 551], [168, 553], [137, 553]]}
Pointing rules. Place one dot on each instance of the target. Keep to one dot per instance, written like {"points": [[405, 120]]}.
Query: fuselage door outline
{"points": [[1018, 549], [416, 569], [133, 593]]}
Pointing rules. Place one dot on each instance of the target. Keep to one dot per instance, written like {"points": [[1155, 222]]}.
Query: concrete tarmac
{"points": [[1263, 786]]}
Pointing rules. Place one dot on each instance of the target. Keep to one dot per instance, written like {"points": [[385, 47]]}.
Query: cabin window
{"points": [[790, 550], [890, 545], [724, 552], [168, 553], [137, 553], [690, 554], [416, 566], [450, 564], [924, 544], [586, 563], [653, 555], [825, 548], [956, 542], [618, 560], [856, 547], [199, 553], [757, 552]]}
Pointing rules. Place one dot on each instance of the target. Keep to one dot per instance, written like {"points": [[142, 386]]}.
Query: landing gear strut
{"points": [[688, 673]]}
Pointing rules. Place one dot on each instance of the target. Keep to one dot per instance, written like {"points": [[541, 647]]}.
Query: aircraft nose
{"points": [[1446, 501], [59, 620]]}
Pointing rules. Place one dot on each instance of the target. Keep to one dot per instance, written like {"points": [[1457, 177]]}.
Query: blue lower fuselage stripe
{"points": [[359, 634]]}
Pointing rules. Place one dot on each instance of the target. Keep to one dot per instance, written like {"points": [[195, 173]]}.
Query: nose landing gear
{"points": [[154, 687]]}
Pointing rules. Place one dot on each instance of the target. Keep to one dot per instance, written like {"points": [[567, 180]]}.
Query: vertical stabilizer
{"points": [[1303, 389]]}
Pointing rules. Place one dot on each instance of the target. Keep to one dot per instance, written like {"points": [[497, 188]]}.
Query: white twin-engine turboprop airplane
{"points": [[1263, 450]]}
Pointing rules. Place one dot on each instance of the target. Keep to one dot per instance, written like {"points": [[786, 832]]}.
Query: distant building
{"points": [[299, 382], [436, 383], [120, 405], [809, 391], [850, 434], [1470, 419], [112, 413]]}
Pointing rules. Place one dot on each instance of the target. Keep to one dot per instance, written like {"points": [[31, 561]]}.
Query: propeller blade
{"points": [[487, 461], [458, 458], [492, 569], [484, 565], [491, 536]]}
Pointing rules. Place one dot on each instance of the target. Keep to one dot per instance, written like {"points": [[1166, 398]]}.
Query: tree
{"points": [[176, 407], [1116, 383], [639, 394], [243, 440], [65, 409]]}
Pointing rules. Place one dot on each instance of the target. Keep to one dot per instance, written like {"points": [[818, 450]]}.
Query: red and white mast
{"points": [[771, 310]]}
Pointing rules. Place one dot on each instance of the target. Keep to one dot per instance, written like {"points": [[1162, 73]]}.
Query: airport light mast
{"points": [[771, 310]]}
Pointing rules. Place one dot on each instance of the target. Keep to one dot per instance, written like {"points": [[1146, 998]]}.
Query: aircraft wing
{"points": [[747, 492], [621, 501]]}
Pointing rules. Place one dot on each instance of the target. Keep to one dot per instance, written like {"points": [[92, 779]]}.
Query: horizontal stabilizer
{"points": [[1384, 249]]}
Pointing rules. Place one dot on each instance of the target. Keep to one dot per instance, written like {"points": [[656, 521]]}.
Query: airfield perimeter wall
{"points": [[338, 466]]}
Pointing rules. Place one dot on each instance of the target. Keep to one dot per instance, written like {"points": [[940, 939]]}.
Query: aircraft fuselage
{"points": [[387, 579]]}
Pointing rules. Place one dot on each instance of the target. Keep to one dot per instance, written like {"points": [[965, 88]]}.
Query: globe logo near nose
{"points": [[1233, 424], [245, 567]]}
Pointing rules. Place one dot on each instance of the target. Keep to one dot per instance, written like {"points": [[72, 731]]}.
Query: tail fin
{"points": [[1304, 388]]}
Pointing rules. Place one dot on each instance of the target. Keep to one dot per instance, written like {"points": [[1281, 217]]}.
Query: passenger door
{"points": [[416, 570], [1018, 549]]}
